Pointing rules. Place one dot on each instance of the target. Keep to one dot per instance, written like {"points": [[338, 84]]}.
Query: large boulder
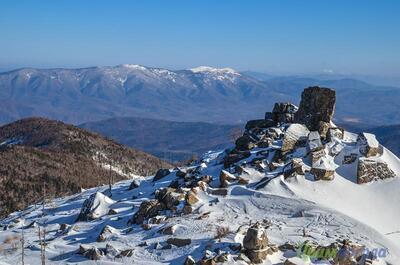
{"points": [[369, 170], [369, 146], [256, 244], [317, 105], [96, 206], [283, 112], [235, 157], [294, 135], [170, 197], [147, 209], [324, 168]]}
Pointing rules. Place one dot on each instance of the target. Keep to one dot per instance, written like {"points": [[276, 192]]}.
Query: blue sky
{"points": [[270, 36]]}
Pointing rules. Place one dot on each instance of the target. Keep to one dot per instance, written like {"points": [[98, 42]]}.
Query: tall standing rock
{"points": [[317, 106]]}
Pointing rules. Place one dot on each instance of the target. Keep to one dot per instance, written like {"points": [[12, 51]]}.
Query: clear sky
{"points": [[350, 36]]}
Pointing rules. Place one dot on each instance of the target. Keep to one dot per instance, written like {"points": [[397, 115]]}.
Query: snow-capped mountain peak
{"points": [[208, 69]]}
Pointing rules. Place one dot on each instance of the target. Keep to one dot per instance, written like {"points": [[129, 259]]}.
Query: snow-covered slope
{"points": [[204, 210]]}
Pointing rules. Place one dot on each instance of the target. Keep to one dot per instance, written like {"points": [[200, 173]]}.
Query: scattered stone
{"points": [[235, 157], [125, 253], [147, 209], [157, 219], [296, 167], [111, 250], [189, 261], [218, 192], [187, 209], [169, 230], [179, 242], [105, 232], [161, 173], [92, 253], [348, 159], [134, 184], [243, 181], [369, 146], [295, 135], [316, 156], [96, 206], [371, 170], [170, 197], [146, 226], [225, 177], [317, 104], [191, 198], [256, 243]]}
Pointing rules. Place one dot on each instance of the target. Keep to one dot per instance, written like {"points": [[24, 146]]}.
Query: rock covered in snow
{"points": [[369, 170], [96, 206], [324, 168], [369, 146], [147, 209], [314, 141], [295, 134], [317, 105]]}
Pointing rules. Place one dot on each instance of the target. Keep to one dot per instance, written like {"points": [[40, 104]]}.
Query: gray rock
{"points": [[244, 143], [179, 242], [317, 105], [283, 112], [147, 209], [295, 134]]}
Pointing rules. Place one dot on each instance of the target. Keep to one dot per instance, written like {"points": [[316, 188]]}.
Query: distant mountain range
{"points": [[206, 94]]}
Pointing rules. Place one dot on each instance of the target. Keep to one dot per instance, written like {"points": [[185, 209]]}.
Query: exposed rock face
{"points": [[256, 244], [96, 206], [370, 170], [283, 112], [317, 105], [295, 134], [369, 146]]}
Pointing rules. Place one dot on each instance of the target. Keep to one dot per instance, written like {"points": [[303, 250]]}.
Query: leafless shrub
{"points": [[221, 232]]}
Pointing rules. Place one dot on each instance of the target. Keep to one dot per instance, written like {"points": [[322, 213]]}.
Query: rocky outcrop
{"points": [[369, 170], [244, 143], [283, 113], [255, 244], [317, 105], [147, 209], [235, 156], [369, 146], [96, 206], [295, 134]]}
